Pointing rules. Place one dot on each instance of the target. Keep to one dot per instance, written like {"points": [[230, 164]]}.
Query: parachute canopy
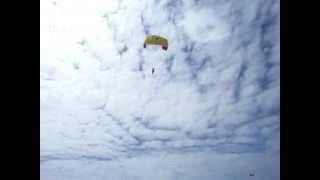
{"points": [[156, 40]]}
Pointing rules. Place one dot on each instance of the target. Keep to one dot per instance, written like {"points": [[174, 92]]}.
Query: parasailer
{"points": [[156, 40]]}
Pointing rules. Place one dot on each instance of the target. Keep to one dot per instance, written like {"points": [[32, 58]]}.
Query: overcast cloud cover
{"points": [[210, 111]]}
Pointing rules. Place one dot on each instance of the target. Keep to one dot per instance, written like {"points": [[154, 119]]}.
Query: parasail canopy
{"points": [[156, 40]]}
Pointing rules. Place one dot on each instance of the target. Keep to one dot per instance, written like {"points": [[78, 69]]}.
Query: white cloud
{"points": [[196, 165], [201, 30]]}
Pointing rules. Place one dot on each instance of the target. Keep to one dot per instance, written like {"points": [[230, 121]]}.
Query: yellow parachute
{"points": [[156, 40]]}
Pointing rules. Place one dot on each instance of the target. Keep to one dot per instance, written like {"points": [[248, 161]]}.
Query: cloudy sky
{"points": [[210, 111]]}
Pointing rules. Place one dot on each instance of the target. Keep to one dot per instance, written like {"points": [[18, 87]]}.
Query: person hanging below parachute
{"points": [[156, 40]]}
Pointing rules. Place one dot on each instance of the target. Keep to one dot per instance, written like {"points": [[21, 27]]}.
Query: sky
{"points": [[210, 111]]}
